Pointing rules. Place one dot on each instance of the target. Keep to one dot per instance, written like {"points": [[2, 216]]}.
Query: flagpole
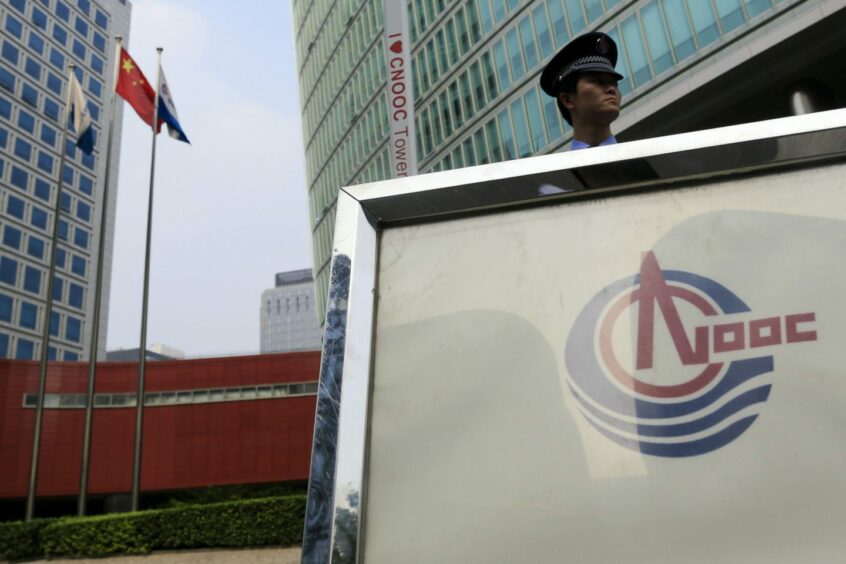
{"points": [[98, 291], [48, 312], [139, 404]]}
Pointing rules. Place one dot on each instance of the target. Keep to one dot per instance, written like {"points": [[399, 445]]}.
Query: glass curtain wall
{"points": [[475, 65]]}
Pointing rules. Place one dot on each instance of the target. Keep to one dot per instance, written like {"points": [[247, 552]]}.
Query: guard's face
{"points": [[596, 100]]}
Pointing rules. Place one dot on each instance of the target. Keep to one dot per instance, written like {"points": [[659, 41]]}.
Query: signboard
{"points": [[403, 140], [639, 363]]}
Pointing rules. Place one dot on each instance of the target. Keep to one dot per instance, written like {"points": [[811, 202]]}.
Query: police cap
{"points": [[591, 52]]}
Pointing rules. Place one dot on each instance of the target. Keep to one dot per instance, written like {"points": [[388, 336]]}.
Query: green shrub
{"points": [[21, 539], [247, 523], [103, 535]]}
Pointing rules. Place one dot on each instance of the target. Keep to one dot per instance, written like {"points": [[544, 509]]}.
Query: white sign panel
{"points": [[403, 143], [640, 379]]}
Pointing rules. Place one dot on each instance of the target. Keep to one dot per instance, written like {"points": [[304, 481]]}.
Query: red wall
{"points": [[184, 446]]}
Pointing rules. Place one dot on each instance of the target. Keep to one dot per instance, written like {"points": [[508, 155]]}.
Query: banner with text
{"points": [[403, 145]]}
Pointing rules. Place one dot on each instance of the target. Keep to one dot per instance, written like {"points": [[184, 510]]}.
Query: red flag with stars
{"points": [[134, 87]]}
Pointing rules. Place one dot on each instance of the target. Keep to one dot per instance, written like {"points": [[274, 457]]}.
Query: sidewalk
{"points": [[258, 556]]}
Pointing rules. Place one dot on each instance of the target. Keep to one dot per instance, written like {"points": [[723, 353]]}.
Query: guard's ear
{"points": [[566, 100]]}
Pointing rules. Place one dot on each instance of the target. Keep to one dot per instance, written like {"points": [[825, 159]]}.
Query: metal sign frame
{"points": [[336, 512]]}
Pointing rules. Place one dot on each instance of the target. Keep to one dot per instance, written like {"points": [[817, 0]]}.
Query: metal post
{"points": [[48, 312], [139, 404], [98, 291]]}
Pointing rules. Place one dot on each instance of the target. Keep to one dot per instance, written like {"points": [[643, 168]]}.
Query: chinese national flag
{"points": [[134, 87]]}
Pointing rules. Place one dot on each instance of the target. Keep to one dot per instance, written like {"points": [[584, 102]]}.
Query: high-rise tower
{"points": [[689, 64], [39, 41]]}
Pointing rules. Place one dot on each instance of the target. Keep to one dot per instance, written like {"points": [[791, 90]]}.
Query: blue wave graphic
{"points": [[588, 380], [735, 405], [689, 448]]}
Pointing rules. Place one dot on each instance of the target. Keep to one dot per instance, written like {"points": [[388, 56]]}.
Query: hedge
{"points": [[236, 524], [22, 540]]}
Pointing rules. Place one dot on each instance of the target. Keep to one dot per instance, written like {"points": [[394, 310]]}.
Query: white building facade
{"points": [[39, 41], [288, 314]]}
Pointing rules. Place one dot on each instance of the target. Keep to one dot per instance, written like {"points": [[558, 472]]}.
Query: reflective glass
{"points": [[577, 18], [485, 15], [515, 54], [704, 22], [29, 315], [12, 237], [5, 308], [659, 48], [547, 47], [559, 22], [594, 9], [536, 128], [527, 35], [8, 270], [521, 130], [501, 65], [680, 32], [731, 14], [552, 117], [25, 349], [635, 51], [481, 147], [755, 7]]}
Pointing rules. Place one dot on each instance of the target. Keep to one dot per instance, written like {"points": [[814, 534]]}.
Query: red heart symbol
{"points": [[397, 47]]}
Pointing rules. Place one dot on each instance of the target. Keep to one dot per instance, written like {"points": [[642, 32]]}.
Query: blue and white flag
{"points": [[80, 117], [167, 110]]}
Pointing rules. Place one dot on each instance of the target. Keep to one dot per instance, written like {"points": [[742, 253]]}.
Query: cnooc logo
{"points": [[670, 363]]}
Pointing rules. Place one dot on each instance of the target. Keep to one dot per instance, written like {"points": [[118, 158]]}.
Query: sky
{"points": [[230, 210]]}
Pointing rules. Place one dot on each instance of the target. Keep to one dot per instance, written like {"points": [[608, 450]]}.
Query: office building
{"points": [[689, 64], [39, 42], [288, 318], [208, 422]]}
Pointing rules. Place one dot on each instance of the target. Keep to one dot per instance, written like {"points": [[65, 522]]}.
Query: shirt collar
{"points": [[575, 145]]}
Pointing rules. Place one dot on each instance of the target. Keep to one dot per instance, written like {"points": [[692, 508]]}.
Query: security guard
{"points": [[583, 80]]}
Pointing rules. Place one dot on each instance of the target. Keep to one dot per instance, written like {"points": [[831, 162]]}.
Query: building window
{"points": [[25, 349], [48, 134], [75, 295], [10, 53], [5, 307], [80, 238], [81, 26], [59, 34], [8, 270], [79, 49], [13, 26], [33, 69], [42, 189], [15, 207], [62, 10], [7, 80], [57, 59], [51, 109], [36, 43], [32, 280], [39, 18], [29, 315], [73, 329], [38, 218], [19, 177], [86, 185], [26, 121], [101, 20], [45, 162], [4, 345], [12, 237], [78, 265], [35, 247], [23, 149]]}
